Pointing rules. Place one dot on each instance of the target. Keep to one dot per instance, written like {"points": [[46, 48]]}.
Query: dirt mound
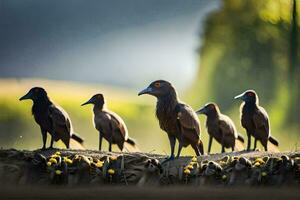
{"points": [[85, 167]]}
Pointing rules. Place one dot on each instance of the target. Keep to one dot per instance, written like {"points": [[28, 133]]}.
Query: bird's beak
{"points": [[240, 96], [148, 90], [88, 102], [26, 96], [201, 111]]}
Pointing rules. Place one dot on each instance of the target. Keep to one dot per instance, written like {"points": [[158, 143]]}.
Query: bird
{"points": [[221, 128], [110, 125], [255, 120], [176, 118], [51, 118]]}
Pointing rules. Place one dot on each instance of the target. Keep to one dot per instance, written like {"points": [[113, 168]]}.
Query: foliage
{"points": [[246, 46]]}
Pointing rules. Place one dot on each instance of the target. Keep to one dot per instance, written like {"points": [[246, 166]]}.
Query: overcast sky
{"points": [[119, 42]]}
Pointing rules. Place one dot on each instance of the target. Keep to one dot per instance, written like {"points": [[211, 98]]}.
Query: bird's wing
{"points": [[59, 118], [188, 118], [118, 123], [261, 119], [226, 126]]}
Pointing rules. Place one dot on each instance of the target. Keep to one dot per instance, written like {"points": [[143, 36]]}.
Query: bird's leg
{"points": [[110, 144], [209, 144], [172, 140], [180, 140], [100, 141], [51, 143], [222, 143], [266, 147], [179, 148], [121, 146], [255, 143], [265, 144], [111, 137], [249, 141], [67, 143], [44, 135], [196, 149]]}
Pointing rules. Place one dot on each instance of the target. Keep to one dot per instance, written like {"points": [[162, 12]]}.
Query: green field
{"points": [[18, 129]]}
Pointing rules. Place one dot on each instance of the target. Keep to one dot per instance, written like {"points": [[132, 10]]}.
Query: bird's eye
{"points": [[157, 84], [250, 94], [211, 107]]}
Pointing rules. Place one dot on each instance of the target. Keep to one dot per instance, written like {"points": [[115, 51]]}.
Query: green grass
{"points": [[19, 130]]}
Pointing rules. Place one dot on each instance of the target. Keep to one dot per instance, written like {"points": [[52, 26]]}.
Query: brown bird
{"points": [[255, 120], [176, 118], [220, 127], [51, 118], [110, 125]]}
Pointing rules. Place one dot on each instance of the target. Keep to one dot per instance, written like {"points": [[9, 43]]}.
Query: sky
{"points": [[118, 42]]}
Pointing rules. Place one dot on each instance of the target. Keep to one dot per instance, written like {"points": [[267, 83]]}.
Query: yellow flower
{"points": [[58, 172], [264, 173], [224, 177], [194, 159], [53, 160], [187, 171], [111, 171], [99, 164], [194, 164], [68, 160], [57, 153], [256, 164], [261, 161], [54, 156], [190, 167], [49, 164], [113, 158]]}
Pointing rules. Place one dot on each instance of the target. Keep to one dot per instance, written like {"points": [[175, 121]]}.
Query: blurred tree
{"points": [[251, 45], [293, 68]]}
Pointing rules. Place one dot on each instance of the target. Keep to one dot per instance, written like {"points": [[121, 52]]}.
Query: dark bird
{"points": [[176, 118], [110, 125], [255, 120], [221, 128], [51, 118]]}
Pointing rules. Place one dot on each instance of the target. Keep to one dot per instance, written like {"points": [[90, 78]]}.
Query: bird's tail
{"points": [[76, 142], [273, 141], [241, 138], [76, 137], [130, 146], [239, 143], [273, 144]]}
